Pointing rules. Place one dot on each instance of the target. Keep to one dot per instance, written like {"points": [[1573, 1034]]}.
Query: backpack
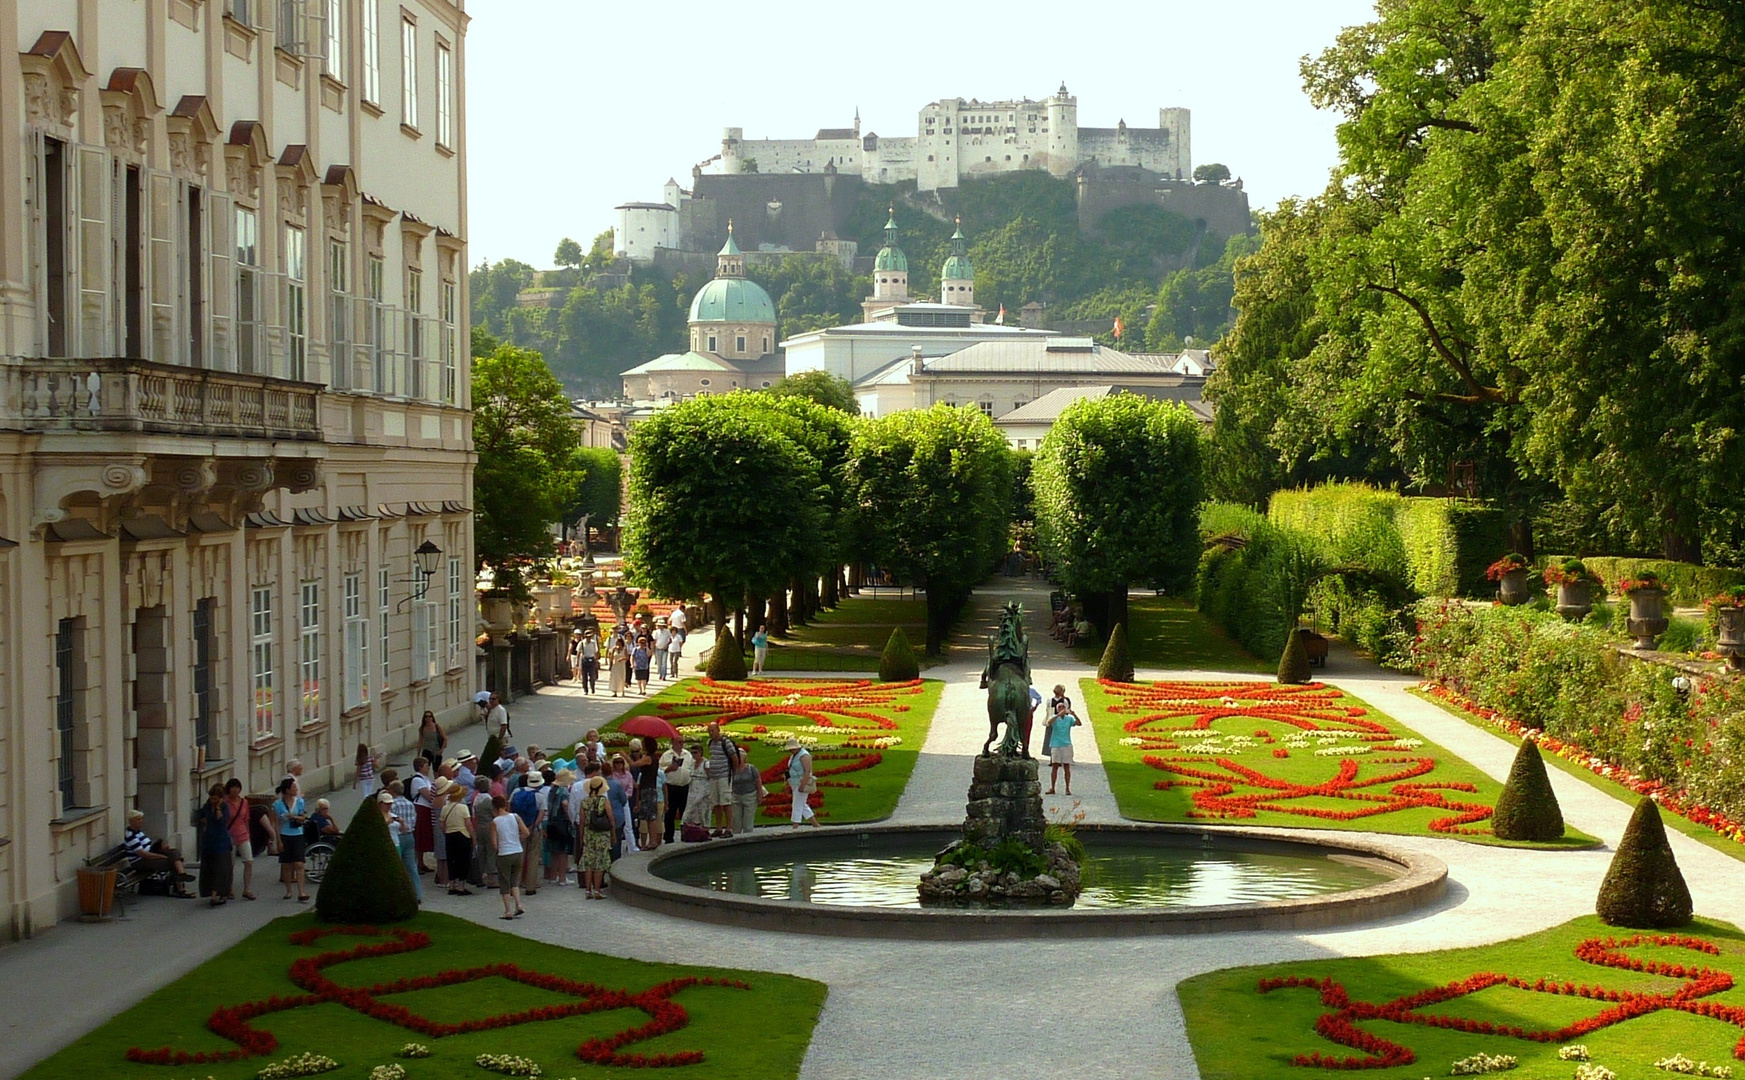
{"points": [[598, 821], [558, 825]]}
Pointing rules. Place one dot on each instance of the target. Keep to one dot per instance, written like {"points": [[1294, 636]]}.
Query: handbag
{"points": [[693, 834]]}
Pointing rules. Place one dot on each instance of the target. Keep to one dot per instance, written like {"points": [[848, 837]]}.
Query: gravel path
{"points": [[961, 1009]]}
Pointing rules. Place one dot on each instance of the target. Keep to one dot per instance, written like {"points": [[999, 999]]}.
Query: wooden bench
{"points": [[127, 875]]}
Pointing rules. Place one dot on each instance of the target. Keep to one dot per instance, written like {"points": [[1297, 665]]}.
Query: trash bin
{"points": [[96, 893]]}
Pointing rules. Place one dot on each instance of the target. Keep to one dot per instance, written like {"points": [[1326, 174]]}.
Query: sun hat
{"points": [[564, 776], [385, 797], [440, 788], [793, 743], [457, 792], [533, 782], [466, 756], [450, 763], [481, 697]]}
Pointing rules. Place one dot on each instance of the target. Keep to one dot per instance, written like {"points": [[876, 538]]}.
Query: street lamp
{"points": [[429, 559]]}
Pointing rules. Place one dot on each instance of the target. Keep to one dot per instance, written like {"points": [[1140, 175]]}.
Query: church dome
{"points": [[957, 268], [732, 300], [891, 258]]}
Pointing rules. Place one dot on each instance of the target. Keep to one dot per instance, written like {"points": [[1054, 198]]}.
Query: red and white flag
{"points": [[1117, 328]]}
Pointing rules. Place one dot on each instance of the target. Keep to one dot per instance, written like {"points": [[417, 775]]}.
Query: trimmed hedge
{"points": [[1117, 662], [1568, 681], [366, 882], [1527, 808], [897, 663], [1254, 577], [726, 662], [1437, 547], [1644, 889], [1687, 584], [1293, 666]]}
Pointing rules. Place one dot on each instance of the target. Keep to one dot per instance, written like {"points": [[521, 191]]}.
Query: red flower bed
{"points": [[1731, 828], [232, 1022], [1225, 788], [1340, 1025]]}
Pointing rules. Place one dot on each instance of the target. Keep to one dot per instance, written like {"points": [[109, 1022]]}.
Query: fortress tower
{"points": [[1062, 110]]}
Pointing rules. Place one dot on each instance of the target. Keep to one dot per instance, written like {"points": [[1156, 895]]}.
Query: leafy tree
{"points": [[830, 391], [569, 253], [600, 489], [932, 491], [723, 500], [1211, 173], [526, 447], [1118, 488]]}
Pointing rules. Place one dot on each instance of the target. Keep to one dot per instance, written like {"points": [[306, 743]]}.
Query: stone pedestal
{"points": [[1005, 801]]}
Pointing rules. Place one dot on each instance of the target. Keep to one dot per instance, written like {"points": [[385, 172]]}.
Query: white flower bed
{"points": [[1483, 1063], [1678, 1063], [1578, 1052], [301, 1065], [1594, 1072]]}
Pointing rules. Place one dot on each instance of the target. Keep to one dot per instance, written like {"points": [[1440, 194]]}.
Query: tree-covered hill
{"points": [[1025, 240]]}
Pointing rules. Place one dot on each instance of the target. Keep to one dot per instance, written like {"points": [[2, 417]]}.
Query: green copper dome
{"points": [[891, 258], [732, 300], [957, 268]]}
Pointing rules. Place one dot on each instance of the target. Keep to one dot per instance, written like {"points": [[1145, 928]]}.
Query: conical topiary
{"points": [[1643, 889], [726, 662], [897, 663], [1116, 665], [1293, 666], [1527, 809], [365, 882]]}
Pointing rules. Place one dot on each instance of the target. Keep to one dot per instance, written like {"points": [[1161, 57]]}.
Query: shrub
{"points": [[1527, 809], [1436, 547], [1117, 663], [1643, 889], [897, 663], [1293, 666], [1256, 577], [365, 882], [726, 662]]}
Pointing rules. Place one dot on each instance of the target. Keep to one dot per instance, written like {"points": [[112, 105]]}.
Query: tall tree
{"points": [[830, 391], [1118, 489], [568, 253], [932, 490], [525, 473], [600, 490]]}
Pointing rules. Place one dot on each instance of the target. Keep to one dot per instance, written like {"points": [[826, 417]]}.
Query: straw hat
{"points": [[793, 743], [533, 782], [440, 788], [565, 777]]}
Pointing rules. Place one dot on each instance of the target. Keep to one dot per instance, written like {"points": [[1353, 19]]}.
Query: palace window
{"points": [[375, 277], [339, 315], [420, 641], [454, 612], [261, 645], [357, 644], [297, 301], [450, 343], [739, 343], [382, 610], [372, 50], [409, 73], [247, 292], [335, 66], [415, 331], [309, 650], [444, 94], [69, 642], [204, 646]]}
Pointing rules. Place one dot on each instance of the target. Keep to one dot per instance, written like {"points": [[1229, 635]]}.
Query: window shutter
{"points": [[166, 195], [356, 678], [95, 184], [420, 642], [36, 195], [220, 285]]}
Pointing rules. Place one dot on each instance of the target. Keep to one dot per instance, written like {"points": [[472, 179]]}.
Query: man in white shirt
{"points": [[589, 653], [497, 720], [678, 620], [675, 765], [663, 639]]}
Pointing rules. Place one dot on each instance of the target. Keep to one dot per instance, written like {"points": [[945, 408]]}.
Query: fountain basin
{"points": [[1157, 879]]}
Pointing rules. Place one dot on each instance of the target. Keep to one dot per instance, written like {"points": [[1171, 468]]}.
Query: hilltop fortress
{"points": [[957, 140]]}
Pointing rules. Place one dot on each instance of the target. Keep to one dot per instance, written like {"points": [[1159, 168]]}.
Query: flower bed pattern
{"points": [[848, 726], [233, 1022], [1374, 770], [1700, 985]]}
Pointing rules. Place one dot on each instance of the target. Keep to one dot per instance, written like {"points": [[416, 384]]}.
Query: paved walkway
{"points": [[952, 1009]]}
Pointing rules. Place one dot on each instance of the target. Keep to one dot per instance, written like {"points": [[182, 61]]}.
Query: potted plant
{"points": [[1647, 618], [1728, 608], [1510, 574], [1575, 588]]}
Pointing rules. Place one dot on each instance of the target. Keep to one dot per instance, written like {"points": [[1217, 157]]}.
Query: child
{"points": [[366, 770]]}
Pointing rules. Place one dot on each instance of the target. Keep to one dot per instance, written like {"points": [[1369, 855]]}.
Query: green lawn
{"points": [[256, 969], [1164, 632], [1239, 1033], [851, 637], [1386, 787], [872, 777], [1699, 833]]}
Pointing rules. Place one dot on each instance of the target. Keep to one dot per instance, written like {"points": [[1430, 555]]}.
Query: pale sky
{"points": [[575, 106]]}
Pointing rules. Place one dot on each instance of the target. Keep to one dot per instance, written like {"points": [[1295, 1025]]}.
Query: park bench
{"points": [[127, 875], [1315, 645]]}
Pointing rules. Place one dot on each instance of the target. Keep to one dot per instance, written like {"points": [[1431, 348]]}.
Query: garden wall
{"points": [[1437, 547]]}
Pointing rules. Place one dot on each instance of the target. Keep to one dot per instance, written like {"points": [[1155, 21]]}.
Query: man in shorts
{"points": [[723, 762]]}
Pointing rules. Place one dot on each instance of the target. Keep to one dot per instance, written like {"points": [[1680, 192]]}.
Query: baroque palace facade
{"points": [[233, 407]]}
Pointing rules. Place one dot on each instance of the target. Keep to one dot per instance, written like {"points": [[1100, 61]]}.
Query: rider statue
{"points": [[1007, 680]]}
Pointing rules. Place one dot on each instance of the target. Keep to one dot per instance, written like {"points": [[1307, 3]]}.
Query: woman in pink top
{"points": [[239, 838]]}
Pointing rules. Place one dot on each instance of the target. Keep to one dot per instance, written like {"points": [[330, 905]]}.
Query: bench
{"points": [[1314, 645], [127, 875]]}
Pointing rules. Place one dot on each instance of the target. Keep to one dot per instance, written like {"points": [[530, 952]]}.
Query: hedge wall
{"points": [[1256, 588], [1687, 584], [1565, 679], [1438, 547]]}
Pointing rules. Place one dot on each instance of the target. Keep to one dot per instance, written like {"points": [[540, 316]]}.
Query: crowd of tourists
{"points": [[523, 822], [632, 652]]}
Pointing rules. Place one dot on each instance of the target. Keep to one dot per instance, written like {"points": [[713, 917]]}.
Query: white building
{"points": [[1026, 426], [957, 139], [233, 407]]}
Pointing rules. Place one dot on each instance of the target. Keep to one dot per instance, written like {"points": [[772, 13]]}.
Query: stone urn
{"points": [[499, 612], [562, 601], [1512, 587], [1574, 600], [1647, 619], [542, 603], [1730, 626]]}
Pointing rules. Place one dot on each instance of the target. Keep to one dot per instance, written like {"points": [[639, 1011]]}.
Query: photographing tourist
{"points": [[291, 815], [675, 767], [1058, 745]]}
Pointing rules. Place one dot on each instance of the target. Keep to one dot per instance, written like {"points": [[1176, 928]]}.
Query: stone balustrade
{"points": [[119, 395]]}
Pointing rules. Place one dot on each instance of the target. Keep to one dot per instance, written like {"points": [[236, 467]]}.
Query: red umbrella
{"points": [[648, 726]]}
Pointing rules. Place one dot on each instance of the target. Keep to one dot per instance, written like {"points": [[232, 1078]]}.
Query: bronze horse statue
{"points": [[1007, 678]]}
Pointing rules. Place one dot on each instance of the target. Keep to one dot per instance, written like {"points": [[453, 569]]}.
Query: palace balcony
{"points": [[121, 396]]}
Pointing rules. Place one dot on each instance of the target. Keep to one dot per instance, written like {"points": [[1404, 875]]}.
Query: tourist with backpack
{"points": [[560, 829], [526, 804], [723, 762], [598, 828]]}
